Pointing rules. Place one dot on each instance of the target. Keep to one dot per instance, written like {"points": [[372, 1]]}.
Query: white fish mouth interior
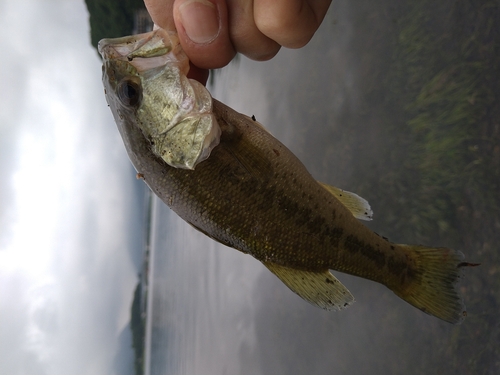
{"points": [[146, 51], [144, 64]]}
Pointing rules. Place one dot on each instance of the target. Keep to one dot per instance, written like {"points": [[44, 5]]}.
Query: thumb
{"points": [[203, 32]]}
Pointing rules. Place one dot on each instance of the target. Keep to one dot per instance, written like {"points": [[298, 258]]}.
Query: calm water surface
{"points": [[339, 105]]}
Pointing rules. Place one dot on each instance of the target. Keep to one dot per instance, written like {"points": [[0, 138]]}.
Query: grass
{"points": [[445, 81]]}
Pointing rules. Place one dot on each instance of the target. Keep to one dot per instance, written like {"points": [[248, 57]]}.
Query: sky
{"points": [[66, 198]]}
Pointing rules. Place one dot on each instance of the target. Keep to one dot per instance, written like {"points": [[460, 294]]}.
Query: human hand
{"points": [[211, 32]]}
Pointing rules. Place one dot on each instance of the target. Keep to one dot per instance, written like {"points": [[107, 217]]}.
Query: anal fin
{"points": [[359, 207], [321, 289]]}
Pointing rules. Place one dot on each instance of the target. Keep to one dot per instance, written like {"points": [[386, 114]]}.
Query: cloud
{"points": [[66, 198], [17, 357]]}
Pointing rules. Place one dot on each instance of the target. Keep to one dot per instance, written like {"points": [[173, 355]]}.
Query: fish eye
{"points": [[129, 92]]}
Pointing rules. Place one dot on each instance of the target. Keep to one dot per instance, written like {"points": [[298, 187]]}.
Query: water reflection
{"points": [[395, 102], [200, 310]]}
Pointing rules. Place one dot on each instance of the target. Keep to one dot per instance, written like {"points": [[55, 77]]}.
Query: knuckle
{"points": [[288, 32], [263, 55]]}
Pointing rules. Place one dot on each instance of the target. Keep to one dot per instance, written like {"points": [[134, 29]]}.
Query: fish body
{"points": [[253, 194]]}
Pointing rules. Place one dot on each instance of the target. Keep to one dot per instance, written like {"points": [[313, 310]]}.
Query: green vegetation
{"points": [[444, 85], [445, 82], [111, 18], [423, 146], [138, 326]]}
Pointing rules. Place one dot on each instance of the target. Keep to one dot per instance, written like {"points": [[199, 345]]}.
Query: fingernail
{"points": [[200, 20]]}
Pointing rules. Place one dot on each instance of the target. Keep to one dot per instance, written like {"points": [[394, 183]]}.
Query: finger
{"points": [[245, 35], [291, 23], [203, 32], [161, 13]]}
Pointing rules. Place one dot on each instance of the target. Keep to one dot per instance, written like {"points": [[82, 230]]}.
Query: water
{"points": [[201, 304], [342, 106]]}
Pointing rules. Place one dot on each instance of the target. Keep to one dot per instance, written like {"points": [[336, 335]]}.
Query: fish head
{"points": [[145, 82]]}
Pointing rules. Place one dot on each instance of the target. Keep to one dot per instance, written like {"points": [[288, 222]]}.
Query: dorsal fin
{"points": [[359, 207], [254, 120], [321, 289]]}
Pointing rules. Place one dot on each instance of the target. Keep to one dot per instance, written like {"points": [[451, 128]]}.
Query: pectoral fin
{"points": [[358, 206], [251, 159], [321, 289]]}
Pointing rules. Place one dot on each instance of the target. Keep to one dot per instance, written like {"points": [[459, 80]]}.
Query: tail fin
{"points": [[434, 288]]}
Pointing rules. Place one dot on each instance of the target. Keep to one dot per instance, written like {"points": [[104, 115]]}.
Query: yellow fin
{"points": [[359, 207], [434, 289], [321, 289]]}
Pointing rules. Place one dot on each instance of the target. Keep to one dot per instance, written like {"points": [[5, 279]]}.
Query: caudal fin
{"points": [[434, 288]]}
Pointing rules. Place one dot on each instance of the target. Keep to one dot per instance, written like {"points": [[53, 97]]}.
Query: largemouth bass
{"points": [[224, 174]]}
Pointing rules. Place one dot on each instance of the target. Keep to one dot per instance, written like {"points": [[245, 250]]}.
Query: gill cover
{"points": [[147, 81]]}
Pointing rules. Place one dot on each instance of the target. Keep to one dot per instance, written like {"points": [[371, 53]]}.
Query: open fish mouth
{"points": [[146, 51], [145, 80]]}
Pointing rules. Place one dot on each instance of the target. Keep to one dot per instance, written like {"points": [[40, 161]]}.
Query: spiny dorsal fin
{"points": [[321, 289], [254, 120], [358, 206]]}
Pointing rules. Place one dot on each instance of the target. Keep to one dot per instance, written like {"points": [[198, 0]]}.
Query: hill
{"points": [[112, 18]]}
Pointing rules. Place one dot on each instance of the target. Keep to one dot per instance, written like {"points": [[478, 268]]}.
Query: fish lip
{"points": [[122, 48], [145, 51]]}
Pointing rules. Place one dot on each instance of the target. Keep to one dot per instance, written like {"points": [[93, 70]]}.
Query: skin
{"points": [[211, 32]]}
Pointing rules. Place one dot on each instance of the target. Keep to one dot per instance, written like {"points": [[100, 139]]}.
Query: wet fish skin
{"points": [[254, 195]]}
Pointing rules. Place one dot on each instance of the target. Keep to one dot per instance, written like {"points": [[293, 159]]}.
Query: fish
{"points": [[227, 176]]}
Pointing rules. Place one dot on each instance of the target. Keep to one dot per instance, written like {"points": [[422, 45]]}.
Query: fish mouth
{"points": [[145, 51]]}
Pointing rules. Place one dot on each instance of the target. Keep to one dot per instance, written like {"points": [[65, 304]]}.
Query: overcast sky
{"points": [[66, 275]]}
